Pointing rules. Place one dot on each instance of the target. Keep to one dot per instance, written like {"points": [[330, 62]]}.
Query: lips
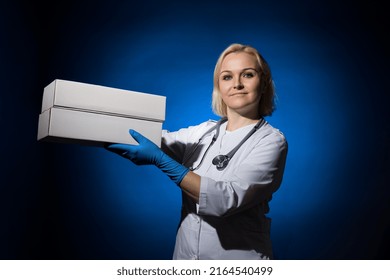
{"points": [[238, 93]]}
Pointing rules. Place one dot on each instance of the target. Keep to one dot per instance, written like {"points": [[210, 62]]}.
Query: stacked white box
{"points": [[91, 114]]}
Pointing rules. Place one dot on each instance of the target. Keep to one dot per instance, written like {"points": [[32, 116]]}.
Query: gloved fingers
{"points": [[146, 152], [120, 146], [137, 136], [121, 149]]}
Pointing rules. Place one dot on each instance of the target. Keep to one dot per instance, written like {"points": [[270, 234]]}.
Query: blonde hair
{"points": [[267, 101]]}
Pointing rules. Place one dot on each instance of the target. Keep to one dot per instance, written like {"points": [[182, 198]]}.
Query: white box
{"points": [[90, 114]]}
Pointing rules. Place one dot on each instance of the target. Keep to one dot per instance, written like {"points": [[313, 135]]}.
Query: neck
{"points": [[238, 121]]}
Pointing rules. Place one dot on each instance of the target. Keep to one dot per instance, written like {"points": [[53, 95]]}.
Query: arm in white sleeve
{"points": [[178, 143], [251, 182]]}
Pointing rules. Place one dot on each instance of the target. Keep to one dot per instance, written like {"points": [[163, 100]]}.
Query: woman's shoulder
{"points": [[194, 131], [270, 133]]}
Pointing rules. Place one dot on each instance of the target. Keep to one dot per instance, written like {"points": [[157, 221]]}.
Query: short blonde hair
{"points": [[267, 101]]}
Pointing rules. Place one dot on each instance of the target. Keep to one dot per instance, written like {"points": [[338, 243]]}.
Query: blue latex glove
{"points": [[148, 153]]}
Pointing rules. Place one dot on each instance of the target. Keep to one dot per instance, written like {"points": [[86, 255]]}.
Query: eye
{"points": [[248, 74], [227, 77]]}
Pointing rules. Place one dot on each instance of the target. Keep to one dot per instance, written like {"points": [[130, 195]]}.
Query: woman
{"points": [[227, 170]]}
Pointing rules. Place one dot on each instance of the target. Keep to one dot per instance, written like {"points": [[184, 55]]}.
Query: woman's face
{"points": [[239, 84]]}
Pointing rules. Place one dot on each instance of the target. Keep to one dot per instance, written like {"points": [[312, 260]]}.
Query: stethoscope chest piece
{"points": [[221, 161]]}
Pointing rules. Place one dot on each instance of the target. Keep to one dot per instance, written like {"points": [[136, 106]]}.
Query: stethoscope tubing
{"points": [[220, 161]]}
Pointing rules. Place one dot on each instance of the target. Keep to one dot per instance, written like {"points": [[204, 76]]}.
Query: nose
{"points": [[238, 85]]}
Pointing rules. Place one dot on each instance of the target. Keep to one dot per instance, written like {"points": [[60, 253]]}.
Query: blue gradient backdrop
{"points": [[329, 62]]}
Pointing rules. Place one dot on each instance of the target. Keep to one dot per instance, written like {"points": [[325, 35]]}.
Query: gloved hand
{"points": [[147, 153]]}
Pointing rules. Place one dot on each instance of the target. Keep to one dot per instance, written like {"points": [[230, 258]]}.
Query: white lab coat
{"points": [[230, 220]]}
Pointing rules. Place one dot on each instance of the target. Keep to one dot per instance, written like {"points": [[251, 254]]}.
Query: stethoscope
{"points": [[221, 161]]}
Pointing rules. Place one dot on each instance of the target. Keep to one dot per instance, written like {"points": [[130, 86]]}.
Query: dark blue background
{"points": [[330, 64]]}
